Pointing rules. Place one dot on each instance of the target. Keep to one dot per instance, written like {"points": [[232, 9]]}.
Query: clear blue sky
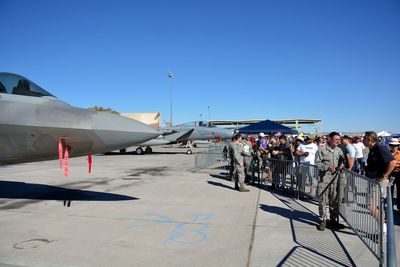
{"points": [[338, 61]]}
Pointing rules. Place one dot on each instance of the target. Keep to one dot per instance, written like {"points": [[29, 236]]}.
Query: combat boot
{"points": [[243, 190], [322, 225]]}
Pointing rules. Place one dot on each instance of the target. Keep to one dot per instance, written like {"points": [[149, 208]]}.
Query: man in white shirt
{"points": [[307, 151], [360, 148]]}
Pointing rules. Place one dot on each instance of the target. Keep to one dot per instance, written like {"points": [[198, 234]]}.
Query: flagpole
{"points": [[170, 76]]}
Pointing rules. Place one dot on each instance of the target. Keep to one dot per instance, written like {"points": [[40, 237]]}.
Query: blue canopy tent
{"points": [[396, 135], [268, 127]]}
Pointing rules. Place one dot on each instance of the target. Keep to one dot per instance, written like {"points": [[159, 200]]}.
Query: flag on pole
{"points": [[170, 74]]}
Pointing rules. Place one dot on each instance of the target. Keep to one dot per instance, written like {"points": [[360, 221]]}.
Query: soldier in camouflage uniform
{"points": [[248, 155], [239, 164], [329, 161], [231, 149]]}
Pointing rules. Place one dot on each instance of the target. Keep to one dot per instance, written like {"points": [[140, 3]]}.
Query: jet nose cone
{"points": [[121, 132]]}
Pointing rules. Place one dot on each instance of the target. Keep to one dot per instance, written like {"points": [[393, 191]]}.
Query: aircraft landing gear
{"points": [[139, 151], [148, 150], [122, 150], [189, 145]]}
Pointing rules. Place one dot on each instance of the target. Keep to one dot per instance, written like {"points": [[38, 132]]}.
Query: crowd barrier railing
{"points": [[361, 199], [215, 158], [361, 205]]}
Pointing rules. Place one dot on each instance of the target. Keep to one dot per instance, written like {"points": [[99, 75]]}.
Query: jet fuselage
{"points": [[31, 127]]}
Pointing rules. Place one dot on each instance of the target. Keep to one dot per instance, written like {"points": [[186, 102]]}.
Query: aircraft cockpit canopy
{"points": [[17, 85], [198, 124]]}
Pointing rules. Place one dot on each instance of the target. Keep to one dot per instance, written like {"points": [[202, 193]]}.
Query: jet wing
{"points": [[179, 136], [168, 137]]}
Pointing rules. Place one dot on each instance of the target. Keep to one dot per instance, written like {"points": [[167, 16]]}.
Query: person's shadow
{"points": [[220, 185], [301, 216]]}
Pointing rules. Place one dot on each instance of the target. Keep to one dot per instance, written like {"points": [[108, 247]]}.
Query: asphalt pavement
{"points": [[156, 210]]}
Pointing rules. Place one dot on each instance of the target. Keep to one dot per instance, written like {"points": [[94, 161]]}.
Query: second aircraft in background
{"points": [[187, 133]]}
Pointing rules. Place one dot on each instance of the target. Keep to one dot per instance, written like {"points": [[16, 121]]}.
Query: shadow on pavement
{"points": [[220, 185], [220, 176], [313, 248], [20, 190], [301, 216]]}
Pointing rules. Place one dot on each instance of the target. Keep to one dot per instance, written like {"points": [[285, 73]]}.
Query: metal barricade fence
{"points": [[215, 158], [283, 173], [361, 205], [218, 147], [307, 179], [211, 160], [361, 201]]}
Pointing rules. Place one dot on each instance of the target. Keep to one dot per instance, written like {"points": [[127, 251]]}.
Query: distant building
{"points": [[153, 119]]}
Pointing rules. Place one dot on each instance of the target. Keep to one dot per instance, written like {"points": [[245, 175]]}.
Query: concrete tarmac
{"points": [[154, 210]]}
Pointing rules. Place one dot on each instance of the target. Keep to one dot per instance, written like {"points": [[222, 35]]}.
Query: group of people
{"points": [[380, 164], [330, 154], [240, 154]]}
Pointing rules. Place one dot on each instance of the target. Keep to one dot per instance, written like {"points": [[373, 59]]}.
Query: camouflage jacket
{"points": [[238, 152], [327, 156]]}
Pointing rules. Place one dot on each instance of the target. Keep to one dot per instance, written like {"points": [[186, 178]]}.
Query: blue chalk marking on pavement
{"points": [[182, 235], [187, 233]]}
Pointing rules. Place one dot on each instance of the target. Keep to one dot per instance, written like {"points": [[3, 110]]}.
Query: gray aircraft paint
{"points": [[190, 132], [31, 127]]}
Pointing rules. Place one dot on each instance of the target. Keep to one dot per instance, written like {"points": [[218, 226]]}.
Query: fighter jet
{"points": [[187, 133], [35, 125]]}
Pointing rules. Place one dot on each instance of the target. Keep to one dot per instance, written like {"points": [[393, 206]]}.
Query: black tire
{"points": [[139, 151], [189, 152], [123, 150], [148, 150]]}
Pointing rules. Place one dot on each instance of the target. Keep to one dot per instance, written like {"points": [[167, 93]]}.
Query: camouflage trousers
{"points": [[239, 176], [231, 169], [329, 197], [247, 165]]}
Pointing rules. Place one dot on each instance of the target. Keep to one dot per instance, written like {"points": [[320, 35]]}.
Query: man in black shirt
{"points": [[380, 164], [283, 152], [284, 166]]}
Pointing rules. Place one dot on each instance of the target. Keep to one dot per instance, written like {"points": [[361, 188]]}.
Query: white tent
{"points": [[383, 134]]}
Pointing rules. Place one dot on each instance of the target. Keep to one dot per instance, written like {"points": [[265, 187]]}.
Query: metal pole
{"points": [[170, 75], [208, 113], [381, 222], [391, 243]]}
